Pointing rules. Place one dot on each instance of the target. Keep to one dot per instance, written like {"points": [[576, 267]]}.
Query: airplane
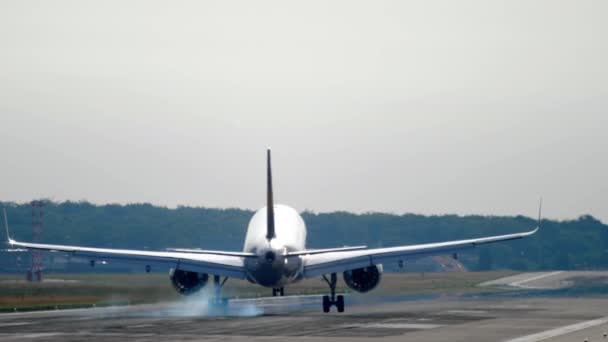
{"points": [[274, 256]]}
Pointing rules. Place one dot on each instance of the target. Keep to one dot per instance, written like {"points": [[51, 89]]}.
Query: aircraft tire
{"points": [[340, 303], [326, 304]]}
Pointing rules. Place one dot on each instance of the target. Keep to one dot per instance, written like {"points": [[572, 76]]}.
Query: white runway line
{"points": [[84, 335], [14, 324], [560, 331], [527, 280], [53, 312], [33, 335]]}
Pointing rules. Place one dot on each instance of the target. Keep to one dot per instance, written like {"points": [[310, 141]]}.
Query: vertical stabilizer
{"points": [[269, 200]]}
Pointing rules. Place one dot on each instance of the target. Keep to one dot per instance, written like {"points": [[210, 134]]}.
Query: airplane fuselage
{"points": [[273, 267]]}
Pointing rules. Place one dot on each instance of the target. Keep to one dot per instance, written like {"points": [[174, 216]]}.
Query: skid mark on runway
{"points": [[467, 312], [417, 326], [139, 326]]}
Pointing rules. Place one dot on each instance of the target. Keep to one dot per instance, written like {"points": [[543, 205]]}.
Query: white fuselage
{"points": [[273, 267]]}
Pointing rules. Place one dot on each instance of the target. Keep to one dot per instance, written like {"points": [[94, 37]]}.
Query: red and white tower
{"points": [[35, 272]]}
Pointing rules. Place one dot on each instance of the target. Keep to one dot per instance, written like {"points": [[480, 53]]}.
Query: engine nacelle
{"points": [[186, 282], [363, 279]]}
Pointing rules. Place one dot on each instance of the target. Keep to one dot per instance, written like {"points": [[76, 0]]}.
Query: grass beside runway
{"points": [[84, 290]]}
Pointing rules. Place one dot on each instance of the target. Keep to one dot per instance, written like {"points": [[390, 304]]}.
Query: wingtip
{"points": [[540, 209], [539, 219], [531, 232], [8, 235]]}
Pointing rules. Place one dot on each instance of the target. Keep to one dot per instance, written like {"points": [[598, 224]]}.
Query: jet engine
{"points": [[186, 282], [363, 279]]}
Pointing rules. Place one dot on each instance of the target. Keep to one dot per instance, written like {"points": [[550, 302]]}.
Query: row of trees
{"points": [[573, 244]]}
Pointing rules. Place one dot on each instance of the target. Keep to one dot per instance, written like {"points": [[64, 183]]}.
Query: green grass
{"points": [[85, 290]]}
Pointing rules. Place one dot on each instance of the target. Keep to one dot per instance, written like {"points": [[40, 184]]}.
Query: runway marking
{"points": [[34, 335], [45, 312], [14, 324], [527, 280], [560, 331], [418, 326], [139, 326], [81, 334], [469, 312]]}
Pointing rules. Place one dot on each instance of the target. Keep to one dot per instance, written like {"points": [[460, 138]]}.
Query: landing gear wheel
{"points": [[330, 300], [278, 292], [326, 304], [340, 303]]}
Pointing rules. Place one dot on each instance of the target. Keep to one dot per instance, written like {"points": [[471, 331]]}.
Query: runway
{"points": [[456, 318], [551, 280]]}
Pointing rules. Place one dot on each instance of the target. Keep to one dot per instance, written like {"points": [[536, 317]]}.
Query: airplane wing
{"points": [[207, 251], [335, 262], [224, 264], [231, 266]]}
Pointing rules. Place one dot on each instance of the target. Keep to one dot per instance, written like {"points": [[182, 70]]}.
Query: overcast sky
{"points": [[431, 107]]}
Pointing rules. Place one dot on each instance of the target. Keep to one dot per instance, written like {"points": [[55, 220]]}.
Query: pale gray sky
{"points": [[399, 106]]}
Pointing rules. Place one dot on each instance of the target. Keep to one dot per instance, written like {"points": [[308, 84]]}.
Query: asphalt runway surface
{"points": [[577, 314], [487, 318]]}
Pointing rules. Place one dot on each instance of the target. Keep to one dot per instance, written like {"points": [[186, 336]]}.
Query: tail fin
{"points": [[270, 234]]}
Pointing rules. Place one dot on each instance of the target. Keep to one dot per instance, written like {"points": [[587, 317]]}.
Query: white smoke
{"points": [[202, 304]]}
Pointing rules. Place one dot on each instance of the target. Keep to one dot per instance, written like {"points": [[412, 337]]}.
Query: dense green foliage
{"points": [[576, 244]]}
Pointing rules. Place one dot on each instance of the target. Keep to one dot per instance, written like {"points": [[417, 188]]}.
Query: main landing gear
{"points": [[332, 299], [217, 301], [278, 292]]}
